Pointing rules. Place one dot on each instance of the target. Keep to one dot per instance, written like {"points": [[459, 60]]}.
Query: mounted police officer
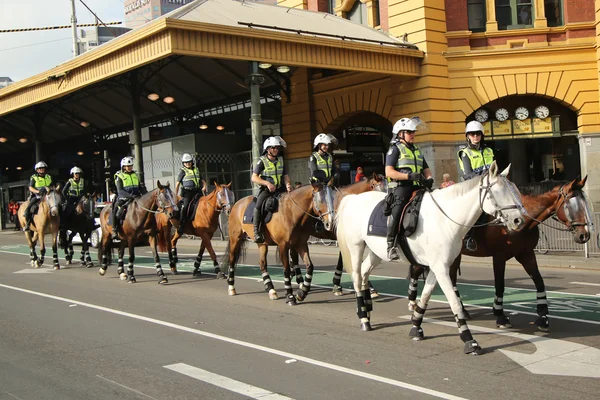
{"points": [[38, 187], [190, 181], [271, 174], [73, 190], [474, 159], [321, 165], [407, 171], [128, 187]]}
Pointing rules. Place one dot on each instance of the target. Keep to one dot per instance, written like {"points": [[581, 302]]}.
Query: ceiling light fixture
{"points": [[80, 153], [96, 153], [19, 168], [203, 126], [85, 124], [23, 140], [220, 127], [169, 100], [283, 69], [153, 96], [3, 140], [264, 65], [6, 168]]}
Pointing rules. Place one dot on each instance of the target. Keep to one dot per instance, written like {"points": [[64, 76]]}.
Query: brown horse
{"points": [[45, 221], [375, 183], [139, 222], [289, 228], [204, 225], [567, 203]]}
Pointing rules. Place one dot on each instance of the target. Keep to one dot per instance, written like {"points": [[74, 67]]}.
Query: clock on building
{"points": [[521, 113], [481, 115], [502, 114], [542, 112]]}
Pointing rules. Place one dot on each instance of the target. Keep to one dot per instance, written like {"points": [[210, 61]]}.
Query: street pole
{"points": [[74, 27], [255, 79], [107, 174], [136, 137]]}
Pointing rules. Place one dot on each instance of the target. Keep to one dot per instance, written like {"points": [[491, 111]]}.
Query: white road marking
{"points": [[552, 356], [34, 271], [221, 381], [585, 283], [12, 395], [126, 387], [333, 367]]}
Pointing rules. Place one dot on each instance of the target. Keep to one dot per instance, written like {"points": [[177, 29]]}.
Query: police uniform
{"points": [[270, 171], [321, 167], [128, 186], [72, 193], [474, 161], [191, 183], [405, 158], [37, 182]]}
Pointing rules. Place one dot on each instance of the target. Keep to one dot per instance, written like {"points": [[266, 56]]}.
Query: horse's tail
{"points": [[341, 234], [239, 255]]}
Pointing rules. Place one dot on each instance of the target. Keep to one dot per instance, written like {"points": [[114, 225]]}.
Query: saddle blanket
{"points": [[377, 221], [249, 213]]}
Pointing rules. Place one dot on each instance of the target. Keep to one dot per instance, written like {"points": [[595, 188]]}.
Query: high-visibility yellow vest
{"points": [[323, 164], [191, 179], [76, 188], [130, 181], [480, 159], [409, 159], [273, 170], [41, 181]]}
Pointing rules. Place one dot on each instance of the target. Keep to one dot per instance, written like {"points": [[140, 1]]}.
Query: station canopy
{"points": [[198, 55]]}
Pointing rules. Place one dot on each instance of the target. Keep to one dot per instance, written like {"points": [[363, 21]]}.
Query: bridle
{"points": [[321, 216], [162, 208]]}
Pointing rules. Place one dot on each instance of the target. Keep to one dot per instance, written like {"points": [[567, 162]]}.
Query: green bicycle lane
{"points": [[569, 306]]}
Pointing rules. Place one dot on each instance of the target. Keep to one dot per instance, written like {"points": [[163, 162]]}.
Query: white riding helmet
{"points": [[325, 138], [126, 161], [474, 126], [41, 164], [274, 141], [406, 124], [76, 170], [187, 158]]}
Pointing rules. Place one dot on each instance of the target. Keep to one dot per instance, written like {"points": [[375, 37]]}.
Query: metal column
{"points": [[37, 123], [255, 79], [136, 137], [74, 27]]}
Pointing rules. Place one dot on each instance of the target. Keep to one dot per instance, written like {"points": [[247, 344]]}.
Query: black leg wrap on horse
{"points": [[368, 302], [463, 329], [267, 281], [498, 306], [413, 287], [542, 304], [418, 313], [361, 308]]}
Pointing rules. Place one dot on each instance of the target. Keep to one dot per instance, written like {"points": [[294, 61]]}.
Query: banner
{"points": [[542, 125], [501, 128], [522, 127]]}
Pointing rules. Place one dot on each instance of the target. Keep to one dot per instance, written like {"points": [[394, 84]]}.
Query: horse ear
{"points": [[229, 184], [168, 184], [57, 188], [216, 184], [582, 182], [159, 185], [506, 171]]}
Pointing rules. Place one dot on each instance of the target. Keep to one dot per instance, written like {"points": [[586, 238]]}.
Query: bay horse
{"points": [[204, 225], [80, 222], [45, 222], [445, 217], [289, 227], [139, 222], [375, 183], [566, 203]]}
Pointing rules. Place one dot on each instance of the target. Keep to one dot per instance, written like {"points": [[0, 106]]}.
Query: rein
{"points": [[161, 207], [302, 209], [552, 215]]}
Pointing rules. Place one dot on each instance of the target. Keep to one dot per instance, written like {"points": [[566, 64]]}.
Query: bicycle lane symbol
{"points": [[583, 308]]}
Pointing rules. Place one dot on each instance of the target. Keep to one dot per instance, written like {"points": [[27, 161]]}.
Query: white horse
{"points": [[445, 217]]}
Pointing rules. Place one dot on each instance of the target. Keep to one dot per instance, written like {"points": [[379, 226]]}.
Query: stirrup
{"points": [[393, 254], [471, 244], [259, 237]]}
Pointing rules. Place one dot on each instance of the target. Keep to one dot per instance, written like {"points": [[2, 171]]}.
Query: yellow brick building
{"points": [[484, 59]]}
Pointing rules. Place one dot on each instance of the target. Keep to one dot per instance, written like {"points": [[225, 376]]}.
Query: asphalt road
{"points": [[71, 334]]}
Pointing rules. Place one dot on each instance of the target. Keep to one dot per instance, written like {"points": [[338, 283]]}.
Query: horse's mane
{"points": [[459, 189], [540, 188]]}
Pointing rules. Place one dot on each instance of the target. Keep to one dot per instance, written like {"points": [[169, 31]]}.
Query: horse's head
{"points": [[573, 209], [84, 205], [53, 199], [500, 198], [165, 199], [225, 197], [323, 203], [378, 183]]}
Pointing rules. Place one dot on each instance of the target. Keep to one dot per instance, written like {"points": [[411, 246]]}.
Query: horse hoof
{"points": [[366, 327], [37, 264], [102, 271], [412, 305], [89, 265], [503, 322], [123, 276], [132, 280], [196, 272], [231, 292], [473, 348], [300, 297], [69, 262], [163, 280], [174, 271], [220, 275], [416, 333], [291, 300], [543, 324], [273, 294], [337, 290], [56, 267], [374, 294]]}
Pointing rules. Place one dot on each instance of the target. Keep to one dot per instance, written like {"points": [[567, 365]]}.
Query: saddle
{"points": [[408, 220], [191, 211], [269, 207], [121, 212]]}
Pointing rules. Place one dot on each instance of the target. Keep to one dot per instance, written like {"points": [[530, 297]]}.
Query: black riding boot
{"points": [[258, 235], [182, 221], [319, 227], [115, 225], [392, 231]]}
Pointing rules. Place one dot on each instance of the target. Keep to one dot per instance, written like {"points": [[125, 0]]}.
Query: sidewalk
{"points": [[557, 260]]}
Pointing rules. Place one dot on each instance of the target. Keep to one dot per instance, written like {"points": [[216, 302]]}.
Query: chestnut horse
{"points": [[375, 183], [567, 203], [204, 225], [45, 221], [139, 222], [288, 228]]}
